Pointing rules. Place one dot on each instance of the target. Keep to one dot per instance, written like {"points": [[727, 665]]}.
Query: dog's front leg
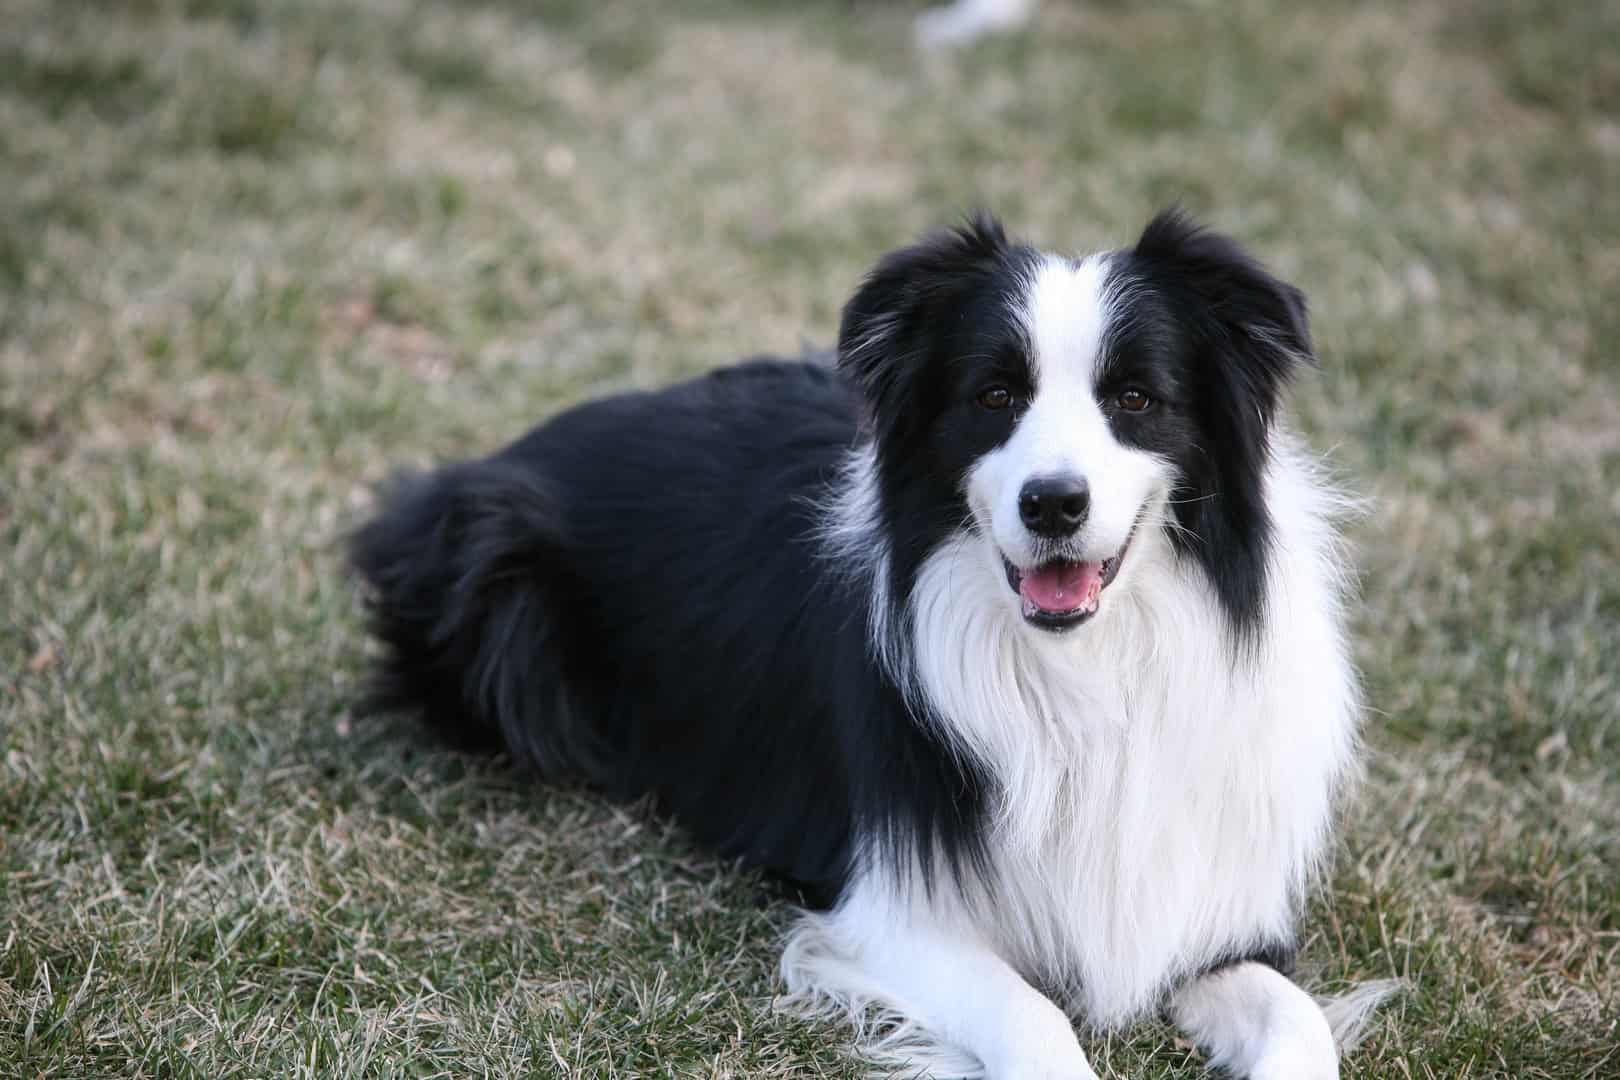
{"points": [[953, 991], [958, 988], [1253, 1020]]}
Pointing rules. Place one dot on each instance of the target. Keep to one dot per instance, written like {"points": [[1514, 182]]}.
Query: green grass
{"points": [[254, 255]]}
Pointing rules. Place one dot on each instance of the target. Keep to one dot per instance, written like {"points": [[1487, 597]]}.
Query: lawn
{"points": [[253, 255]]}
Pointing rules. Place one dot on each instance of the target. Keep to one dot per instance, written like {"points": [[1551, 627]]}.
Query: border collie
{"points": [[1014, 640]]}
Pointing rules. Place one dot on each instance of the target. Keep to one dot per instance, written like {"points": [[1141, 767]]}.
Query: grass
{"points": [[254, 255]]}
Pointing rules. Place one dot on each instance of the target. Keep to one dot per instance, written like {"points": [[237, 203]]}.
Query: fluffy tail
{"points": [[461, 565]]}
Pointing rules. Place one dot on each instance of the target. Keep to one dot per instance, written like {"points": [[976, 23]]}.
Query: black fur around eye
{"points": [[995, 397], [1134, 401]]}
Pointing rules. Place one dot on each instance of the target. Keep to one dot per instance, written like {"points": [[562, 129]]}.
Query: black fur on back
{"points": [[632, 595]]}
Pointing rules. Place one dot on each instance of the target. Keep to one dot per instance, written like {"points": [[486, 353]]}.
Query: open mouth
{"points": [[1061, 594]]}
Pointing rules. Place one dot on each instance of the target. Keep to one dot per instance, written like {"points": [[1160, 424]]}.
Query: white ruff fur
{"points": [[1161, 801]]}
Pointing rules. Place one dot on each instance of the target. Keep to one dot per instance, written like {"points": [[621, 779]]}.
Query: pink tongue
{"points": [[1062, 586]]}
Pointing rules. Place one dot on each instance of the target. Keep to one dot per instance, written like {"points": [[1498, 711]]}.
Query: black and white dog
{"points": [[1014, 639]]}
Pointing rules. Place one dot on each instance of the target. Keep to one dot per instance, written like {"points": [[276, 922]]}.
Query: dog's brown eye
{"points": [[995, 397], [1134, 401]]}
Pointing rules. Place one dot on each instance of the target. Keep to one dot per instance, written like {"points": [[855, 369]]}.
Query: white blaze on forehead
{"points": [[1065, 314]]}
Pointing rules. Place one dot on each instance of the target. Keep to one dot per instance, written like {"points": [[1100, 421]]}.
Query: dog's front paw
{"points": [[1296, 1066], [1304, 1050], [1043, 1047], [1045, 1067]]}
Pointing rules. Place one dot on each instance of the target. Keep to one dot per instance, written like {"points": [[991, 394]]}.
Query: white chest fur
{"points": [[1161, 801]]}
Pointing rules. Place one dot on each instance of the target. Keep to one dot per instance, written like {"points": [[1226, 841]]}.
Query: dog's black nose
{"points": [[1054, 506]]}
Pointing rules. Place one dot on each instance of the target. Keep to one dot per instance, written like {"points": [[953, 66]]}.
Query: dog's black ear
{"points": [[1246, 333], [909, 292], [1256, 322]]}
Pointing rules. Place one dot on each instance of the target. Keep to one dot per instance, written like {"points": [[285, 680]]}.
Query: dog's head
{"points": [[1056, 407]]}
